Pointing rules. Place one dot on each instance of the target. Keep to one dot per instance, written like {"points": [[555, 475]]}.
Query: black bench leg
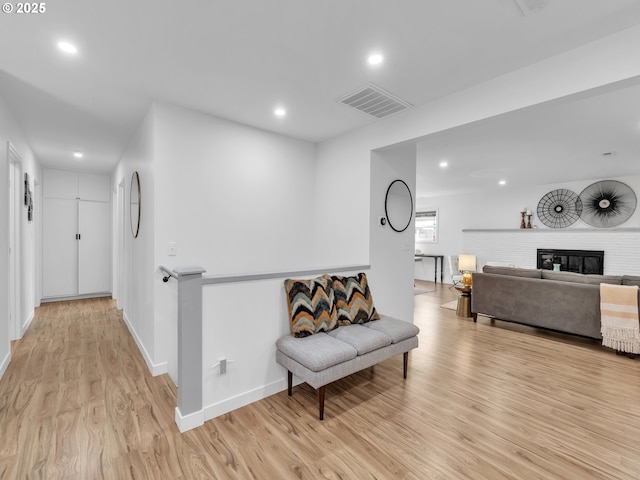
{"points": [[289, 382], [321, 401], [405, 364], [474, 316]]}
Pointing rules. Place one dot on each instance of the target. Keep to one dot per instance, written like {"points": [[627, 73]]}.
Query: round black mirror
{"points": [[134, 202], [398, 206]]}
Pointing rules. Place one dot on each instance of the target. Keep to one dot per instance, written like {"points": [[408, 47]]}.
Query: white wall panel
{"points": [[93, 187], [59, 184]]}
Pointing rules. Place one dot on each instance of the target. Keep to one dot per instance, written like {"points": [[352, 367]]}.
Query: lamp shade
{"points": [[467, 263]]}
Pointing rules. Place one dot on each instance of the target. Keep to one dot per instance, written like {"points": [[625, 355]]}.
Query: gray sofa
{"points": [[322, 358], [563, 301]]}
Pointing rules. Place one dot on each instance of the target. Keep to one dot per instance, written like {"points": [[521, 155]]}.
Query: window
{"points": [[427, 226]]}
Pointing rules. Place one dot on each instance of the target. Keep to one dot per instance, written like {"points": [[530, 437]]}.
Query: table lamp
{"points": [[466, 264]]}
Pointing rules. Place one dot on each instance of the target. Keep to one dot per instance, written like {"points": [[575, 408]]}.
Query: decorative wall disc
{"points": [[559, 208], [607, 203]]}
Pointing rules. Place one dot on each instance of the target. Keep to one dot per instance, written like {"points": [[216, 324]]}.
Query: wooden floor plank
{"points": [[487, 400]]}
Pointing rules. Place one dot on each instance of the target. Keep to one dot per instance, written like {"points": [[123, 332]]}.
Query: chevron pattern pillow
{"points": [[353, 300], [311, 305]]}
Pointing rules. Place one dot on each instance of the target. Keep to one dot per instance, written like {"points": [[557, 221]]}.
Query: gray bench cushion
{"points": [[398, 330], [316, 352], [363, 339]]}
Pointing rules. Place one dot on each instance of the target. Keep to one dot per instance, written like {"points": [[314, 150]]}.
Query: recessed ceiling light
{"points": [[279, 112], [375, 59], [502, 182], [67, 47], [78, 154], [444, 164]]}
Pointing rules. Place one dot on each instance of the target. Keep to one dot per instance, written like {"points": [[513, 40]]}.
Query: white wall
{"points": [[500, 209], [29, 238], [138, 303], [391, 252], [10, 131], [233, 198]]}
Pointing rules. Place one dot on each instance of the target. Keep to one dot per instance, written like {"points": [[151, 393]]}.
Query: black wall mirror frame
{"points": [[134, 201], [398, 206]]}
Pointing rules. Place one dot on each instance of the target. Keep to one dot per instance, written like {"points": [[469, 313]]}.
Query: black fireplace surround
{"points": [[579, 261]]}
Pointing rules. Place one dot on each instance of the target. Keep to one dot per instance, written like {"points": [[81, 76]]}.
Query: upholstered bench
{"points": [[330, 351]]}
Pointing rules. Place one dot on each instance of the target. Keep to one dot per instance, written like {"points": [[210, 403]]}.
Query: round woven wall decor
{"points": [[607, 203], [559, 208]]}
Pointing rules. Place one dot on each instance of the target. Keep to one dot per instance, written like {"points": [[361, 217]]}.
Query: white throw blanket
{"points": [[620, 326]]}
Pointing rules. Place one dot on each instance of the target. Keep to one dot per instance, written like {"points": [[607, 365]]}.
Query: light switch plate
{"points": [[172, 249]]}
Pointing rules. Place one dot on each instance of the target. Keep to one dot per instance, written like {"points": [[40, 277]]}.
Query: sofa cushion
{"points": [[514, 272], [580, 278], [363, 339], [631, 280], [353, 299], [316, 352], [311, 305], [398, 330]]}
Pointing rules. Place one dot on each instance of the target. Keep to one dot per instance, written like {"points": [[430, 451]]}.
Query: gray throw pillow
{"points": [[631, 280], [580, 278], [512, 271]]}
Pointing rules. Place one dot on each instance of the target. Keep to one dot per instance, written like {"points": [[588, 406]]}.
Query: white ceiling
{"points": [[593, 135], [239, 59]]}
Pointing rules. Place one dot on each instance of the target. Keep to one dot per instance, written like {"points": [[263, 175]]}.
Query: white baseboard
{"points": [[26, 324], [225, 406], [188, 422], [155, 368], [5, 362]]}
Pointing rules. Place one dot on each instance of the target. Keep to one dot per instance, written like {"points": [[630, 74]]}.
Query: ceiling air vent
{"points": [[528, 7], [374, 101]]}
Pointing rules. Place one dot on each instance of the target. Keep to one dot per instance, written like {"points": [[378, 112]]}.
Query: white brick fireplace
{"points": [[519, 246]]}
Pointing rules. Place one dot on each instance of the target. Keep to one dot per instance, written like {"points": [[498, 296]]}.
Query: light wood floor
{"points": [[482, 401]]}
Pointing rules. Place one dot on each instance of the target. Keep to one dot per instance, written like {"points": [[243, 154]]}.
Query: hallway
{"points": [[77, 400]]}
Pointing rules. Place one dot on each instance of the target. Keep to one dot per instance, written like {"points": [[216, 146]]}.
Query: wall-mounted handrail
{"points": [[168, 272], [250, 277]]}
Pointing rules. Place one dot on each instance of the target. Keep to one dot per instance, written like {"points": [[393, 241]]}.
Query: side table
{"points": [[464, 301]]}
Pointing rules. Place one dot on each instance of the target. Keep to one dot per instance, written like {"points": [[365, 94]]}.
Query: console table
{"points": [[435, 265]]}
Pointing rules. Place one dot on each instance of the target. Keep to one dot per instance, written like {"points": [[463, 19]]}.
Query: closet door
{"points": [[60, 250], [94, 259]]}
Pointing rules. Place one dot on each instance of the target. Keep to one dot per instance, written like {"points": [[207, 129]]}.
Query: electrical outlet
{"points": [[223, 366]]}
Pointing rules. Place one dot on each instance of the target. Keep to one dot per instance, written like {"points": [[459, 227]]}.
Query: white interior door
{"points": [[94, 257], [60, 249]]}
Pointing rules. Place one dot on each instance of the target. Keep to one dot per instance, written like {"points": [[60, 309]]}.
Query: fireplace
{"points": [[580, 261]]}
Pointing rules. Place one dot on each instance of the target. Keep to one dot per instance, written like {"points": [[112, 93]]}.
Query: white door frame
{"points": [[120, 242], [15, 188]]}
